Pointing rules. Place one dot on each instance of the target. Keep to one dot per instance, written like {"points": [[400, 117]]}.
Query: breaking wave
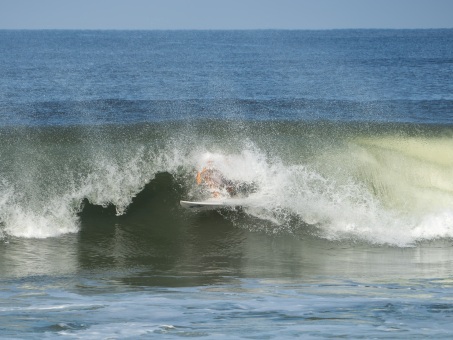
{"points": [[374, 183]]}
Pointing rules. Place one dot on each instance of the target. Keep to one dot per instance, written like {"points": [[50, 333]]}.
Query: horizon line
{"points": [[226, 29]]}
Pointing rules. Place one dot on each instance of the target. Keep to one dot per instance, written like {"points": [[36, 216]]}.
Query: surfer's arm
{"points": [[199, 178]]}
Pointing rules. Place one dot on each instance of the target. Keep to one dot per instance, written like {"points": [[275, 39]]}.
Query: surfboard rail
{"points": [[208, 205]]}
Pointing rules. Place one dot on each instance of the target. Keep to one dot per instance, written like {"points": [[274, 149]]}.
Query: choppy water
{"points": [[346, 136]]}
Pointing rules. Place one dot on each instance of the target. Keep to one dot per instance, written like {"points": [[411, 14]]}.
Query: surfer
{"points": [[217, 184]]}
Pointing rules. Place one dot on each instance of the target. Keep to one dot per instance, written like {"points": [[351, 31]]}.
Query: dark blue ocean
{"points": [[344, 136]]}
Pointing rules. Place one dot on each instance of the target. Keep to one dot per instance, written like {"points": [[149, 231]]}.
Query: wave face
{"points": [[378, 183]]}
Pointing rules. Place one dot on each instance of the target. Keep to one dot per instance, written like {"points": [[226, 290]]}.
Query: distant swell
{"points": [[119, 111]]}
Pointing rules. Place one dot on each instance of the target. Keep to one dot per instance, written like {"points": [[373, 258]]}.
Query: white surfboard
{"points": [[210, 205]]}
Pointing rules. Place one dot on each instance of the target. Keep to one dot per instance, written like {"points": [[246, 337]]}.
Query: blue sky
{"points": [[225, 14]]}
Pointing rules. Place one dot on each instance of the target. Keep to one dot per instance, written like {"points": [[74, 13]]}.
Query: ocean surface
{"points": [[345, 136]]}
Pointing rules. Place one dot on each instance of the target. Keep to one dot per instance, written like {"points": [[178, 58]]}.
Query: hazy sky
{"points": [[225, 14]]}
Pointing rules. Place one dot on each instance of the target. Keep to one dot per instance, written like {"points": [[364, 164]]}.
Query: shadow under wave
{"points": [[161, 243]]}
